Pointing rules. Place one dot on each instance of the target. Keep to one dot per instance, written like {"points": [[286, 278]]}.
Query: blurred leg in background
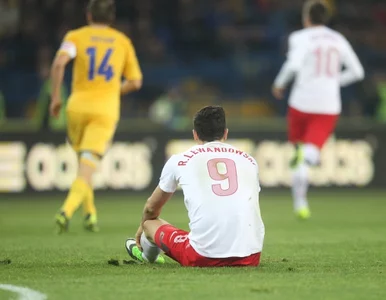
{"points": [[90, 136]]}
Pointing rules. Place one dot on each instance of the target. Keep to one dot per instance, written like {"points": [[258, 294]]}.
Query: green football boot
{"points": [[303, 213], [136, 254], [91, 223], [62, 222]]}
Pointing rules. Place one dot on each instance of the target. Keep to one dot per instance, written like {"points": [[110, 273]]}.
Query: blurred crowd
{"points": [[204, 51]]}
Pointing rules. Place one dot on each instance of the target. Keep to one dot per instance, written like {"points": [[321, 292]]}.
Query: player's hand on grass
{"points": [[278, 92], [138, 237], [56, 105]]}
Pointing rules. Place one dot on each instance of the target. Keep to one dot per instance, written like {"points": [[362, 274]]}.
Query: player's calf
{"points": [[306, 155], [311, 154], [298, 157], [81, 192], [89, 162]]}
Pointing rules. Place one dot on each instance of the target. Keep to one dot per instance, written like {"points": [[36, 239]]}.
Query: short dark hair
{"points": [[317, 11], [210, 124], [102, 11]]}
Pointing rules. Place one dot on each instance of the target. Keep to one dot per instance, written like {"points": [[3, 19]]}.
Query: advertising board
{"points": [[43, 162]]}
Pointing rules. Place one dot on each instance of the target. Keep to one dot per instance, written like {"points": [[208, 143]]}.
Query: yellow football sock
{"points": [[88, 204], [78, 192]]}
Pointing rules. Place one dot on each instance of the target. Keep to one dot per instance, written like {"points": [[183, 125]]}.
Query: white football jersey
{"points": [[316, 56], [221, 193]]}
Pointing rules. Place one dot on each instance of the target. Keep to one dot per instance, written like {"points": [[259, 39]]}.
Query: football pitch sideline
{"points": [[340, 253]]}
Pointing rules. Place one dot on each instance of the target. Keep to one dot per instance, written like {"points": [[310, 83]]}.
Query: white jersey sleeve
{"points": [[296, 52], [168, 181], [353, 69]]}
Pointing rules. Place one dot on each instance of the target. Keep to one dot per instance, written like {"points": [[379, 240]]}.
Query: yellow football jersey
{"points": [[102, 56]]}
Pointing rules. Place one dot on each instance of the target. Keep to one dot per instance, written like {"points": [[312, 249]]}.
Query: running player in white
{"points": [[315, 58], [221, 191]]}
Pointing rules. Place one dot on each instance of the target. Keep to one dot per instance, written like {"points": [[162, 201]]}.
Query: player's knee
{"points": [[89, 162], [146, 225], [90, 159], [86, 173], [311, 154], [148, 229]]}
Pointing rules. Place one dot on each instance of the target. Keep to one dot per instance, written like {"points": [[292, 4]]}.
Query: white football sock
{"points": [[150, 250], [300, 186], [311, 154]]}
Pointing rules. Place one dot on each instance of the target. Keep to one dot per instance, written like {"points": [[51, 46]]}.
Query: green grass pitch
{"points": [[339, 254]]}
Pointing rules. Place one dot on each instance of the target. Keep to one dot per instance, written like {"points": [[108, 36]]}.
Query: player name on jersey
{"points": [[189, 155]]}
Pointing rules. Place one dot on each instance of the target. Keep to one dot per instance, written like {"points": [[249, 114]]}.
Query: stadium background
{"points": [[193, 53]]}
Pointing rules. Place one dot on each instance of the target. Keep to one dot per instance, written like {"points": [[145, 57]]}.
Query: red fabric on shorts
{"points": [[309, 128], [175, 243]]}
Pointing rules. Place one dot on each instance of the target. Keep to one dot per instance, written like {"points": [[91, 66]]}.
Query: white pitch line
{"points": [[23, 292]]}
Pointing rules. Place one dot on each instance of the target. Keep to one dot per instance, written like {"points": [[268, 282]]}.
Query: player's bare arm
{"points": [[154, 204], [57, 74], [152, 209], [129, 86]]}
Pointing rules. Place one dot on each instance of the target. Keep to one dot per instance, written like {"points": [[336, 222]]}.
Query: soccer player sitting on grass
{"points": [[221, 193], [102, 55]]}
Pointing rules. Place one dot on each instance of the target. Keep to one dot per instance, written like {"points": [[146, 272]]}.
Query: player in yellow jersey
{"points": [[102, 56]]}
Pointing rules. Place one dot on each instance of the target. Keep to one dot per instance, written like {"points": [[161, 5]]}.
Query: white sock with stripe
{"points": [[150, 250]]}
